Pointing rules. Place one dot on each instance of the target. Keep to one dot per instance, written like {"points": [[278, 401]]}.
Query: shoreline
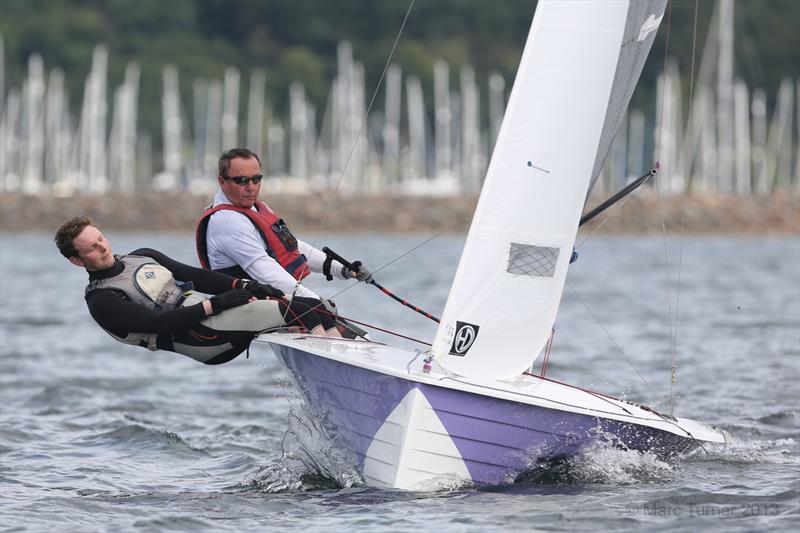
{"points": [[641, 213]]}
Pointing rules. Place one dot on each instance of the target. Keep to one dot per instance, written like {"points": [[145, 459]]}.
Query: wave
{"points": [[142, 437], [788, 418], [173, 523]]}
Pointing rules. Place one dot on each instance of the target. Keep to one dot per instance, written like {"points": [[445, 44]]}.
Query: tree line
{"points": [[296, 40]]}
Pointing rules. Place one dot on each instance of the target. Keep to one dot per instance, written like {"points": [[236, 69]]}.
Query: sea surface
{"points": [[98, 436]]}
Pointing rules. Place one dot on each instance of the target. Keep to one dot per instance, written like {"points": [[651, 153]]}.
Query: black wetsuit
{"points": [[115, 313]]}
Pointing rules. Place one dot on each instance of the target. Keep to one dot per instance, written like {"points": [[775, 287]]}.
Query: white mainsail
{"points": [[576, 76]]}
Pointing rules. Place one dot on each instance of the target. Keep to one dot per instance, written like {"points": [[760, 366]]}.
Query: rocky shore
{"points": [[644, 212]]}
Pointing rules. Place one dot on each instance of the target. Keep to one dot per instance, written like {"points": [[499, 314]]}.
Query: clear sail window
{"points": [[531, 260]]}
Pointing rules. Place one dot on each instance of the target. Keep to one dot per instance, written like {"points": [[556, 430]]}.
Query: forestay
{"points": [[569, 94]]}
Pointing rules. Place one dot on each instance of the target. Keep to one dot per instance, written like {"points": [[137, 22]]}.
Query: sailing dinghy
{"points": [[466, 409]]}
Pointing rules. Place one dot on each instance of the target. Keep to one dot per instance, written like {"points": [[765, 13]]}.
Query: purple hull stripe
{"points": [[489, 432], [496, 438], [351, 402]]}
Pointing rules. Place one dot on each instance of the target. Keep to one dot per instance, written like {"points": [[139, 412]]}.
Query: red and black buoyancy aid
{"points": [[281, 244]]}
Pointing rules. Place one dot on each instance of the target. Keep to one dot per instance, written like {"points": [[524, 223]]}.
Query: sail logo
{"points": [[650, 25], [464, 338]]}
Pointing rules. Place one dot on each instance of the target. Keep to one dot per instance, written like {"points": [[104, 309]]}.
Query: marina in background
{"points": [[720, 138]]}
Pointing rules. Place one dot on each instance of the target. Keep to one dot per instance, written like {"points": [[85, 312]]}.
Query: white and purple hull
{"points": [[403, 427]]}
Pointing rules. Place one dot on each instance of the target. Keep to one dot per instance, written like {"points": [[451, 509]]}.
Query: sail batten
{"points": [[509, 282]]}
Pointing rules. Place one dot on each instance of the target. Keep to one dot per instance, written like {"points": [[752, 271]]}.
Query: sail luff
{"points": [[509, 281], [640, 32]]}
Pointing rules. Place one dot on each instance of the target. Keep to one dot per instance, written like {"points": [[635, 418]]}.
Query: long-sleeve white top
{"points": [[232, 240]]}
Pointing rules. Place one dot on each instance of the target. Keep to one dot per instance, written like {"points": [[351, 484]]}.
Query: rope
{"points": [[361, 127], [333, 255], [670, 324], [607, 398], [350, 286], [599, 395], [694, 46], [423, 243], [674, 359], [612, 339], [547, 348], [334, 315], [664, 82], [294, 293], [383, 289], [380, 329], [674, 364], [366, 114]]}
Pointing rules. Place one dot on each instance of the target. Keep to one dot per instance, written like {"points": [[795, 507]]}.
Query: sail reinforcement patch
{"points": [[531, 260]]}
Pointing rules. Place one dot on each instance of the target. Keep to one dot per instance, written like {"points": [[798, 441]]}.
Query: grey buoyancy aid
{"points": [[147, 283]]}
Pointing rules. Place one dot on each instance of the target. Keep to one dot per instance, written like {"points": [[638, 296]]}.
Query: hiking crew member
{"points": [[146, 299]]}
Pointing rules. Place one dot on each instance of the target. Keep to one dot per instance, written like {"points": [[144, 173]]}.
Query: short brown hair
{"points": [[67, 233], [234, 153]]}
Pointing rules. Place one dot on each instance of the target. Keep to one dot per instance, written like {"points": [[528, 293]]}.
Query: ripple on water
{"points": [[98, 436], [175, 523], [788, 418], [35, 321], [140, 438]]}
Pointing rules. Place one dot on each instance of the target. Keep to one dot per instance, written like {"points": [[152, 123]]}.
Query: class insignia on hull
{"points": [[463, 338]]}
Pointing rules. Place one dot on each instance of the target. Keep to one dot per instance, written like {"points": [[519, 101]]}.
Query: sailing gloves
{"points": [[360, 272], [229, 299], [261, 291], [330, 306], [244, 291]]}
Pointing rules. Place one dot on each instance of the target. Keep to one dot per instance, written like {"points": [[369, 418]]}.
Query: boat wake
{"points": [[309, 461], [601, 462], [781, 451], [442, 483], [609, 463]]}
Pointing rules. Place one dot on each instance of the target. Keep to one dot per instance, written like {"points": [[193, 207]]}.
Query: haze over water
{"points": [[99, 436]]}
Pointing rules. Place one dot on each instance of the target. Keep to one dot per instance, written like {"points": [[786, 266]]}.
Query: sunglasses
{"points": [[244, 180]]}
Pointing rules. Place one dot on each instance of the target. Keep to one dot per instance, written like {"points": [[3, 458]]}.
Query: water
{"points": [[97, 436]]}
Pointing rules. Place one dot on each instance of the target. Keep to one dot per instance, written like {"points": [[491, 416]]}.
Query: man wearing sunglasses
{"points": [[243, 237]]}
